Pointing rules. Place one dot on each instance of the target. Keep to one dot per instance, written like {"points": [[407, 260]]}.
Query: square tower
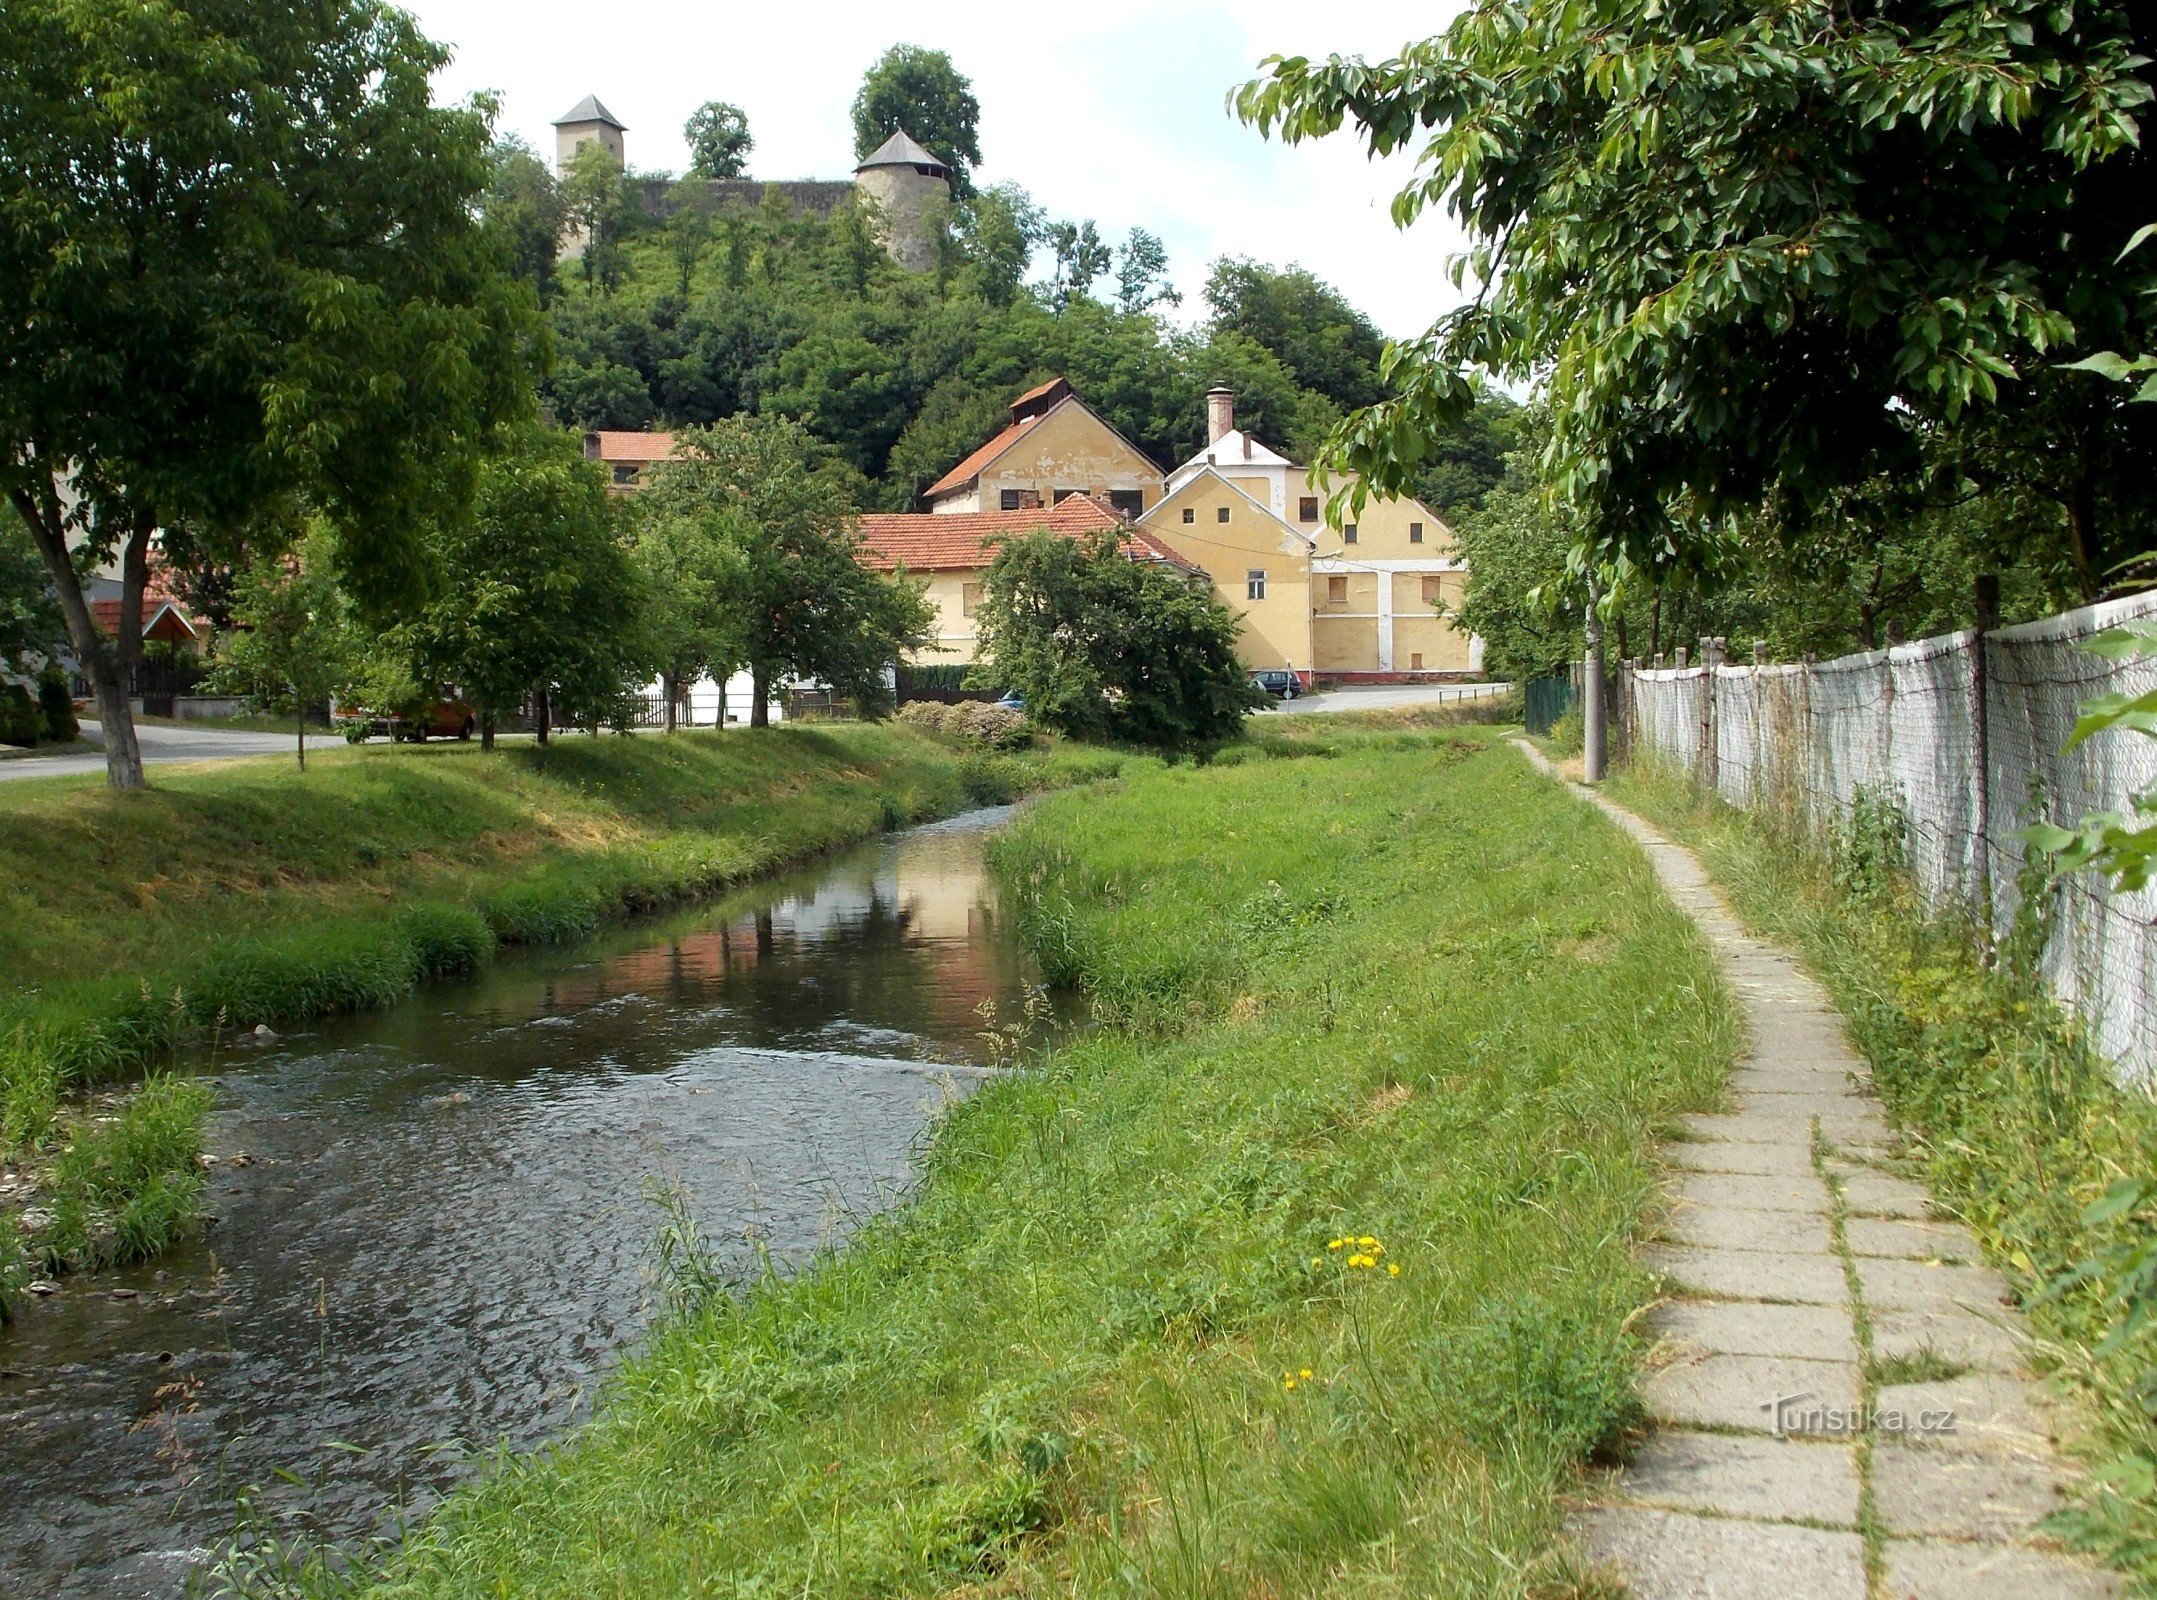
{"points": [[585, 121]]}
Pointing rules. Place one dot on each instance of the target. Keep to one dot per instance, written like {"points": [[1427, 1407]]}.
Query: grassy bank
{"points": [[249, 893], [2014, 1121], [1308, 1272]]}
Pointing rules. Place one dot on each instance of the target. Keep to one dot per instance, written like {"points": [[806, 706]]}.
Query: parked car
{"points": [[443, 719], [1012, 701], [1279, 682]]}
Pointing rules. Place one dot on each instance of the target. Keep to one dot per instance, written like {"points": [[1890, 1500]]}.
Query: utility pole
{"points": [[1594, 740]]}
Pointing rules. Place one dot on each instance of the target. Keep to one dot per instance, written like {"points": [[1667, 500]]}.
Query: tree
{"points": [[1081, 257], [998, 228], [760, 490], [291, 649], [719, 142], [595, 204], [1324, 342], [692, 575], [30, 621], [1104, 645], [524, 206], [1142, 274], [921, 93], [539, 599], [241, 263], [1771, 249]]}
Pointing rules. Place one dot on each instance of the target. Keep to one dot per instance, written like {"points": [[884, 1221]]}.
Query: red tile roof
{"points": [[602, 445], [970, 469], [965, 541], [161, 619]]}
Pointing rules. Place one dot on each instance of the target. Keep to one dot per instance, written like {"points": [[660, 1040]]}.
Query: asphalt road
{"points": [[1387, 697], [159, 745]]}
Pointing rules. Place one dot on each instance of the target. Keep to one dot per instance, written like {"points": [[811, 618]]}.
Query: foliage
{"points": [[1142, 274], [1772, 249], [524, 207], [539, 596], [775, 520], [1103, 645], [1118, 1422], [56, 706], [719, 141], [209, 314], [597, 210], [293, 648], [30, 623], [971, 722], [20, 723], [1326, 344], [921, 93], [2122, 845]]}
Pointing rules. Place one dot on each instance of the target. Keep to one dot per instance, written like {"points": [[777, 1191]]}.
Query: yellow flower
{"points": [[1287, 1382], [1366, 1241], [1335, 1244], [1305, 1374], [1317, 1261], [1393, 1269]]}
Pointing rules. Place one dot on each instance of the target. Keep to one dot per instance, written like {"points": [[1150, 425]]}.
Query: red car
{"points": [[444, 719]]}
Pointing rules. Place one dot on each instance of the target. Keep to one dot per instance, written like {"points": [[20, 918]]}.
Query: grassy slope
{"points": [[2015, 1122], [248, 892], [1395, 986]]}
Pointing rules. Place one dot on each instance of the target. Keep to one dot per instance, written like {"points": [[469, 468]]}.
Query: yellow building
{"points": [[1258, 564], [1376, 584], [951, 550], [1054, 447]]}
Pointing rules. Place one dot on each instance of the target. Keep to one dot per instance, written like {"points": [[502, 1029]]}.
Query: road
{"points": [[159, 745], [1388, 697]]}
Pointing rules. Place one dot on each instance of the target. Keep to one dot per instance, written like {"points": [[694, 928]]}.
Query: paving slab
{"points": [[1769, 1480], [1671, 1555], [1801, 1107], [1892, 1285], [1966, 1338], [1731, 1228], [1752, 1274], [1746, 1191], [1979, 1413], [1914, 1241], [1742, 1328], [1747, 1127], [1728, 1155], [1934, 1494], [1790, 1078], [1715, 1390], [1935, 1571], [1874, 1194]]}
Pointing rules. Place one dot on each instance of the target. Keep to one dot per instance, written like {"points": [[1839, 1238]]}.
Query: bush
{"points": [[1569, 734], [57, 708], [970, 722], [19, 719]]}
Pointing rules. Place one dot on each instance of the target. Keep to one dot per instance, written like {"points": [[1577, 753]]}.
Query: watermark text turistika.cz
{"points": [[1808, 1414]]}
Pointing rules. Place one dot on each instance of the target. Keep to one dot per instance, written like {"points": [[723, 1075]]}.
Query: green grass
{"points": [[2015, 1121], [247, 893], [1364, 983]]}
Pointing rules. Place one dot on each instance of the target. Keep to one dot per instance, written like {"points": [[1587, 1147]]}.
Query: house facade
{"points": [[1054, 447], [1257, 564]]}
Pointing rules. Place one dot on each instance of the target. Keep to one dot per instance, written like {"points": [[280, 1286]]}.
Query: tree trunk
{"points": [[541, 714], [299, 727], [759, 698], [105, 667], [671, 686], [1592, 752], [719, 716], [486, 732]]}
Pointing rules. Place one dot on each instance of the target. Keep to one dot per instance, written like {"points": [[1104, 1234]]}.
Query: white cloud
{"points": [[1116, 112]]}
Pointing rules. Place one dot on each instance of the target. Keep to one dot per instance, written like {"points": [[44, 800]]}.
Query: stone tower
{"points": [[909, 186], [585, 121]]}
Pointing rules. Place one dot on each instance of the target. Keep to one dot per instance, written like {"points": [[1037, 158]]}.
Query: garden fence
{"points": [[1967, 740]]}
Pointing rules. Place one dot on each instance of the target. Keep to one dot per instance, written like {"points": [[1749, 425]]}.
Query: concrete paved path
{"points": [[1389, 696], [163, 744], [1840, 1408]]}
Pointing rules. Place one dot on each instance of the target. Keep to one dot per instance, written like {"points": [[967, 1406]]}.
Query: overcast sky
{"points": [[1109, 109]]}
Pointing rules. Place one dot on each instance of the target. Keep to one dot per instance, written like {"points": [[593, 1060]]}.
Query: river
{"points": [[434, 1225]]}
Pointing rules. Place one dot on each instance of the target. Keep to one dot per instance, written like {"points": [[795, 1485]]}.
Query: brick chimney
{"points": [[1220, 412]]}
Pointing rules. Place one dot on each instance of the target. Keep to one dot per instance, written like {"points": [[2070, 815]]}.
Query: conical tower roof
{"points": [[590, 110], [900, 150]]}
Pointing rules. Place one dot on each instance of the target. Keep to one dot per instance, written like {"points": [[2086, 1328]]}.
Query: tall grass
{"points": [[2015, 1122], [1400, 991]]}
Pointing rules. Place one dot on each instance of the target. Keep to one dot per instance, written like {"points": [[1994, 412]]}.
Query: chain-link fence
{"points": [[1969, 748]]}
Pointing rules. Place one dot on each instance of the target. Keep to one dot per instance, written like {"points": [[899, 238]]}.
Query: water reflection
{"points": [[433, 1221]]}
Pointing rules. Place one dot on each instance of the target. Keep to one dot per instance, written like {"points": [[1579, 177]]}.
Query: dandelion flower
{"points": [[1393, 1269], [1366, 1241], [1335, 1244], [1287, 1382], [1305, 1374], [1318, 1261]]}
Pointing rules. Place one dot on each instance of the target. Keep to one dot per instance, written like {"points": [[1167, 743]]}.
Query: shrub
{"points": [[19, 719], [969, 722], [57, 708], [1569, 734], [445, 940], [124, 1190]]}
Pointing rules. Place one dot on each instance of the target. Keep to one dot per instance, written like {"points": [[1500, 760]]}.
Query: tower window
{"points": [[1307, 508], [1220, 513], [1415, 533], [1190, 514], [1254, 584]]}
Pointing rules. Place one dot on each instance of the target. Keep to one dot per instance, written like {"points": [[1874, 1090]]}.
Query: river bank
{"points": [[1308, 1271], [249, 895]]}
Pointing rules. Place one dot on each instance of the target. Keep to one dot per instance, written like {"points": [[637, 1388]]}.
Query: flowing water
{"points": [[434, 1224]]}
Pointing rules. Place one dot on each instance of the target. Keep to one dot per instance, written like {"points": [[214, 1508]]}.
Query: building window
{"points": [[1127, 502], [1190, 514], [1433, 591], [1029, 499], [1008, 499], [1415, 661], [969, 599], [1064, 494], [1254, 584], [1348, 533], [1415, 533], [1336, 591], [1307, 508], [625, 475], [1220, 513]]}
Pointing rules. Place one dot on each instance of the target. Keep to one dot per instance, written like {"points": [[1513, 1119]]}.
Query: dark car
{"points": [[440, 719], [1279, 682]]}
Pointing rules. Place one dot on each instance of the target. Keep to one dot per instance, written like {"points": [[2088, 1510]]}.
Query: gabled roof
{"points": [[965, 541], [1035, 405], [970, 468], [1234, 449], [603, 445], [1041, 399], [901, 151], [161, 620], [590, 110], [1175, 497]]}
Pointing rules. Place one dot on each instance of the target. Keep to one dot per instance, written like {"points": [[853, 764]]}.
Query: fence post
{"points": [[1711, 766], [1987, 615], [1809, 749]]}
